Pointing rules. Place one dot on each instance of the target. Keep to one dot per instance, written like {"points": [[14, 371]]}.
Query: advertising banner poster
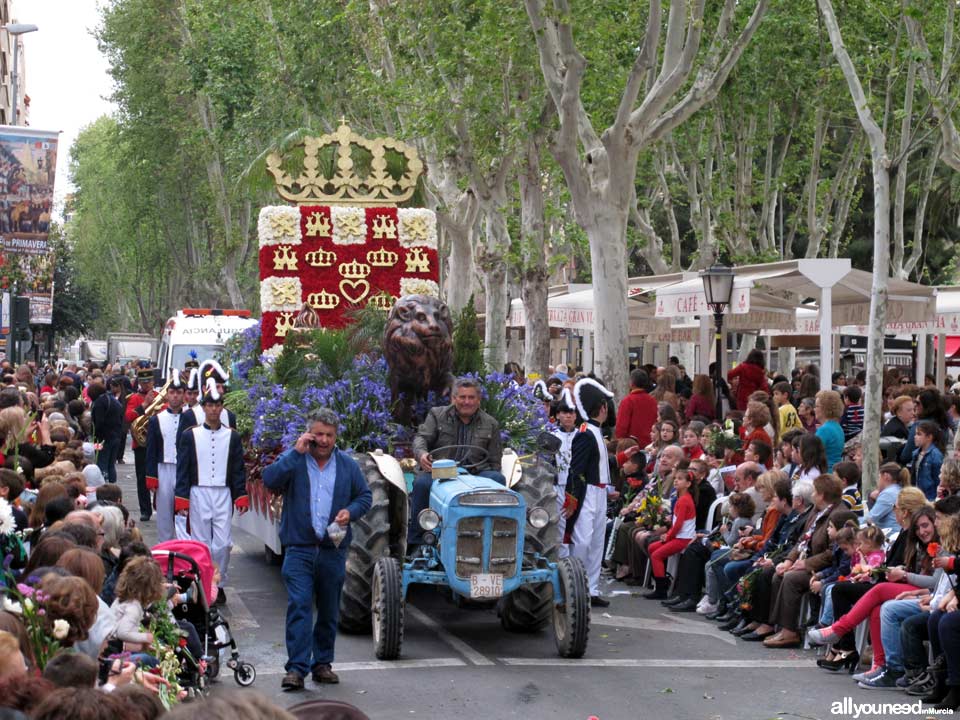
{"points": [[28, 164]]}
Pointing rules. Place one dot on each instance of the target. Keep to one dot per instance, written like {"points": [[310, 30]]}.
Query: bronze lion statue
{"points": [[418, 347]]}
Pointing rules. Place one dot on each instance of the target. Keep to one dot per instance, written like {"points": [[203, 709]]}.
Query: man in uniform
{"points": [[588, 483], [137, 404], [191, 392], [163, 437], [565, 412], [472, 439], [191, 370], [211, 369], [211, 480]]}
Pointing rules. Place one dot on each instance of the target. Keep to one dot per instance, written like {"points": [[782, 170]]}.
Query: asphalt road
{"points": [[642, 661]]}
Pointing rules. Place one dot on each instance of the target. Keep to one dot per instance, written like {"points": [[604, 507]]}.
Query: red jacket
{"points": [[636, 415], [699, 405], [133, 410], [751, 378]]}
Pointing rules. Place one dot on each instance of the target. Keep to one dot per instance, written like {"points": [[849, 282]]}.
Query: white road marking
{"points": [[474, 657], [237, 613], [386, 665], [661, 663], [670, 623]]}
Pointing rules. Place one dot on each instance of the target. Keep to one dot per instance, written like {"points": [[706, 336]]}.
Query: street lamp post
{"points": [[718, 288], [17, 29]]}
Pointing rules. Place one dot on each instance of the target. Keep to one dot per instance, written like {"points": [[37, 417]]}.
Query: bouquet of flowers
{"points": [[720, 439], [746, 586], [168, 639], [44, 632], [653, 512], [11, 544]]}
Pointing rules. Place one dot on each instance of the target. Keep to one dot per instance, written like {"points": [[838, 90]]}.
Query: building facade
{"points": [[10, 44]]}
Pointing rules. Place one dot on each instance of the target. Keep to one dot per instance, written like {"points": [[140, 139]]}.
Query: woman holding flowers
{"points": [[682, 531]]}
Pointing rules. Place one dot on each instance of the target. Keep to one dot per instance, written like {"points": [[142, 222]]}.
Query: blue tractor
{"points": [[489, 545]]}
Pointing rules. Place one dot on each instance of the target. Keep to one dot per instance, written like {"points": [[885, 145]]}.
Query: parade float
{"points": [[352, 321]]}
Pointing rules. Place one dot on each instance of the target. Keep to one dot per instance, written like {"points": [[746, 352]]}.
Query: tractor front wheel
{"points": [[571, 618], [387, 609]]}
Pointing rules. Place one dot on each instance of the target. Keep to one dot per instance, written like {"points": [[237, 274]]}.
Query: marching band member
{"points": [[137, 404], [163, 437], [588, 484], [211, 369], [211, 480], [565, 412], [191, 393]]}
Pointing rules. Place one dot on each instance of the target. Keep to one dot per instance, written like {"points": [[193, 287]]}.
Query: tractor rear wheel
{"points": [[571, 619], [387, 609], [529, 608], [371, 541]]}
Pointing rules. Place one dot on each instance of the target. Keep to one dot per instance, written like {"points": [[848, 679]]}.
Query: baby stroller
{"points": [[188, 564]]}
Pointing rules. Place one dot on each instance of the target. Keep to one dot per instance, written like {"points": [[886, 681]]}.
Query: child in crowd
{"points": [[741, 508], [140, 585], [789, 419], [852, 419], [927, 459], [870, 552], [849, 472], [759, 452], [844, 545], [690, 439]]}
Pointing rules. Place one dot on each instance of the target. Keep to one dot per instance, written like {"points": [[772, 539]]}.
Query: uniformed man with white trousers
{"points": [[212, 481], [588, 485], [163, 436], [565, 413]]}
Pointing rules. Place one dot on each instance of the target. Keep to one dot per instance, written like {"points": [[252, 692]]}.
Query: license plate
{"points": [[486, 585]]}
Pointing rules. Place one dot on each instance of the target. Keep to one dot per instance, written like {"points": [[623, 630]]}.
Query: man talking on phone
{"points": [[323, 491]]}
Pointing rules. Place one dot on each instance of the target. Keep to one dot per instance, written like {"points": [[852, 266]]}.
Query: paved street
{"points": [[642, 662]]}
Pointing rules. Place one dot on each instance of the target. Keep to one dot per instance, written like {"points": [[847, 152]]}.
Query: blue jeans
{"points": [[312, 574], [826, 605], [913, 633], [107, 459], [892, 615], [420, 500], [729, 574]]}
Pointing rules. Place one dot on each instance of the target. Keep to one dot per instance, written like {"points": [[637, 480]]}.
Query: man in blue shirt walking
{"points": [[322, 486]]}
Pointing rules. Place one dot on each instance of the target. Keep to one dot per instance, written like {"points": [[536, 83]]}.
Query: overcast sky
{"points": [[66, 76]]}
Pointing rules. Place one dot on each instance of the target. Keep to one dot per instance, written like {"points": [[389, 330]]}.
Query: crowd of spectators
{"points": [[750, 512]]}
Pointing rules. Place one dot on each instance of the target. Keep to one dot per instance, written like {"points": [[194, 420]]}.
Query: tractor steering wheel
{"points": [[467, 466]]}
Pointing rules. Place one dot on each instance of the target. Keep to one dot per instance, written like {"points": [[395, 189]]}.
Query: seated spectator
{"points": [[680, 533], [759, 452], [891, 480], [756, 424], [844, 546], [690, 440], [906, 558], [849, 473], [949, 479]]}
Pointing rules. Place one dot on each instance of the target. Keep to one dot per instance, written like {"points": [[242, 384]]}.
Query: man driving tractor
{"points": [[462, 432]]}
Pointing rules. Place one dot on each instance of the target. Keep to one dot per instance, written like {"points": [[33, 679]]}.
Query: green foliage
{"points": [[467, 343], [327, 349]]}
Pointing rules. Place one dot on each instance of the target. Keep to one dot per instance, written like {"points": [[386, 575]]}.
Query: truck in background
{"points": [[124, 347], [202, 331]]}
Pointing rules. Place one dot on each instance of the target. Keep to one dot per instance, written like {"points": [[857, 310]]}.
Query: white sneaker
{"points": [[705, 607]]}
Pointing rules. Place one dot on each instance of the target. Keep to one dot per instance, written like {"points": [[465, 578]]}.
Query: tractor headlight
{"points": [[539, 518], [428, 519], [429, 538]]}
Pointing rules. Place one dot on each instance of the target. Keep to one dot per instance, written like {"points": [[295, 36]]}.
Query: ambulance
{"points": [[198, 332]]}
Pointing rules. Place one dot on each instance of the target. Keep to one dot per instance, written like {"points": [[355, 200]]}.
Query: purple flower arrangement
{"points": [[361, 398]]}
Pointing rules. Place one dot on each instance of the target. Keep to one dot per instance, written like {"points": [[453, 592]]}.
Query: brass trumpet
{"points": [[138, 428]]}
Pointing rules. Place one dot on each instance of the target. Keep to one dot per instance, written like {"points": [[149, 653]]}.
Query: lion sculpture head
{"points": [[418, 346]]}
